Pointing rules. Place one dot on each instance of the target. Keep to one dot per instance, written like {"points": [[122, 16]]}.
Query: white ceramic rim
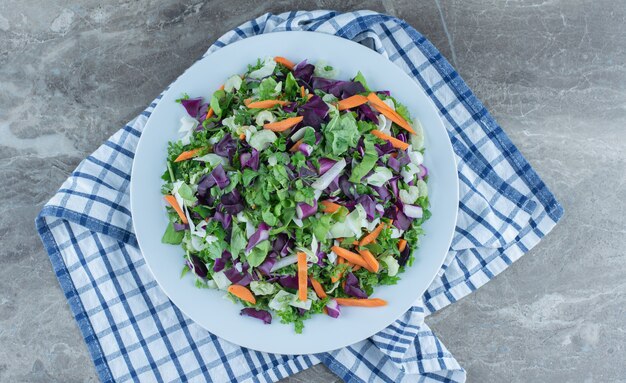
{"points": [[321, 333]]}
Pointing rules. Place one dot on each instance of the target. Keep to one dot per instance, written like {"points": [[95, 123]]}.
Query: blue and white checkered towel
{"points": [[133, 331]]}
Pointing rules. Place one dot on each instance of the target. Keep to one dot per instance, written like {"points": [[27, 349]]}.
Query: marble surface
{"points": [[552, 72]]}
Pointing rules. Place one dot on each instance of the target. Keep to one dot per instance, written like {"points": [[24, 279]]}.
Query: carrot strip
{"points": [[285, 62], [370, 259], [242, 293], [187, 155], [371, 302], [371, 237], [319, 290], [265, 104], [247, 101], [349, 256], [383, 108], [395, 117], [242, 136], [302, 92], [174, 204], [281, 126], [308, 96], [351, 102], [302, 276], [221, 87], [330, 207], [209, 114], [356, 267], [295, 146], [394, 141], [401, 244]]}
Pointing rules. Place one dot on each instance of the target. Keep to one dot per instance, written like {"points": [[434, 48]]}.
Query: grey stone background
{"points": [[551, 72]]}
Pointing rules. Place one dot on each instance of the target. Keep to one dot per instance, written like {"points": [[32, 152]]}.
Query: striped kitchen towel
{"points": [[134, 333]]}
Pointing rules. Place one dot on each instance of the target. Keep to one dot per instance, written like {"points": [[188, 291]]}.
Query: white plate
{"points": [[209, 308]]}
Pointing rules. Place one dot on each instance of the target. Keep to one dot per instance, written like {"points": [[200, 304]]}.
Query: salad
{"points": [[296, 193]]}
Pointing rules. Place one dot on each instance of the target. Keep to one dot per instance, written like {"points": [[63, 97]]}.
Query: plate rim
{"points": [[150, 122]]}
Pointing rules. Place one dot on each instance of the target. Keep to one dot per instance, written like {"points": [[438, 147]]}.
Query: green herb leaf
{"points": [[172, 236], [360, 78], [269, 217], [341, 133], [291, 86], [215, 102], [238, 240], [258, 253], [247, 176], [268, 88], [367, 163], [186, 193]]}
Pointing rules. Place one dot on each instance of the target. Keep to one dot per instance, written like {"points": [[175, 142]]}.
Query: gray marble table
{"points": [[551, 72]]}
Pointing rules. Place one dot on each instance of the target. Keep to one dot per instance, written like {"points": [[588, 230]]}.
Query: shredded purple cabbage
{"points": [[332, 308], [224, 218], [304, 71], [304, 210], [250, 159], [216, 177], [261, 234], [325, 164], [266, 267], [232, 202], [197, 266], [314, 112], [369, 205], [263, 315], [365, 113], [180, 226], [226, 147], [339, 89], [352, 287], [192, 106]]}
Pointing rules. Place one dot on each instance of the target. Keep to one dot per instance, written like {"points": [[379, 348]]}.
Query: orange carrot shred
{"points": [[302, 92], [242, 293], [174, 204], [295, 146], [242, 136], [330, 207], [401, 244], [265, 104], [371, 237], [287, 63], [281, 126], [334, 279], [209, 114], [349, 256], [302, 276], [187, 155], [319, 290], [308, 96], [394, 141], [351, 102], [370, 259], [383, 108], [247, 101], [371, 302]]}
